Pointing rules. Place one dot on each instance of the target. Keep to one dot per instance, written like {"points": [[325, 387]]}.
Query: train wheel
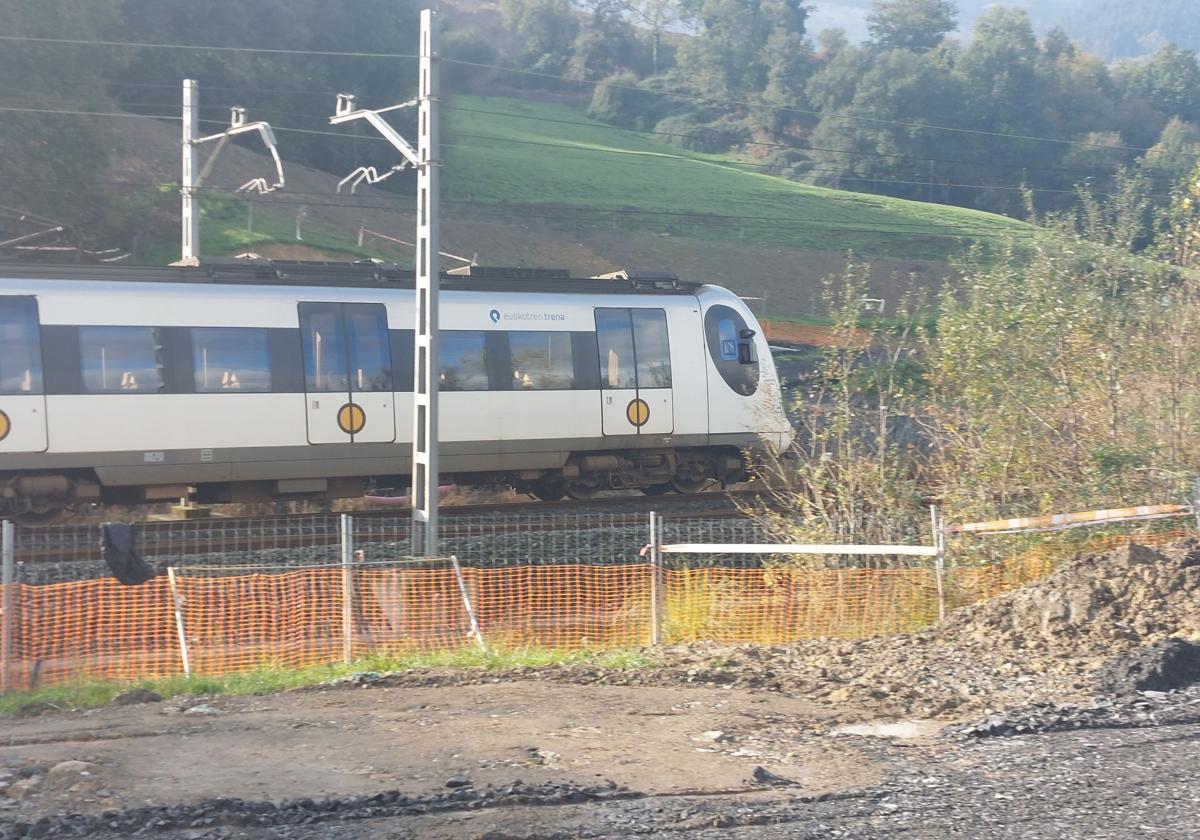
{"points": [[657, 489], [582, 489], [687, 486], [547, 491]]}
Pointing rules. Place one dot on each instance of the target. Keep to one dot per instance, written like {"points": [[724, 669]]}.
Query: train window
{"points": [[730, 343], [324, 344], [20, 352], [614, 334], [370, 355], [653, 350], [463, 360], [727, 334], [120, 360], [227, 359], [541, 361]]}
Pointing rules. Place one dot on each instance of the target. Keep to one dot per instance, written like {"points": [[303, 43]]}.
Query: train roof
{"points": [[360, 274]]}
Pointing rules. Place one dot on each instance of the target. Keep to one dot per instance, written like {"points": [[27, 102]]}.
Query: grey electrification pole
{"points": [[190, 181], [429, 269], [424, 158], [190, 246]]}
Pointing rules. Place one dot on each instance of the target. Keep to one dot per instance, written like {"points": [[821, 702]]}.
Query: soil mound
{"points": [[1163, 666], [1051, 640], [1045, 644], [1096, 605]]}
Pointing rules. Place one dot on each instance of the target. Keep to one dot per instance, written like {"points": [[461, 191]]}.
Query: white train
{"points": [[249, 382]]}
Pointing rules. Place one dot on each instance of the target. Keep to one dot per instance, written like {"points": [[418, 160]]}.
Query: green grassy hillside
{"points": [[548, 162]]}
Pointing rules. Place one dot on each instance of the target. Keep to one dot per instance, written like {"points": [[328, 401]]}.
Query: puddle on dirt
{"points": [[905, 730]]}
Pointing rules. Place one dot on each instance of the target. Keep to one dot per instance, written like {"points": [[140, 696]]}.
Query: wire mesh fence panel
{"points": [[773, 605]]}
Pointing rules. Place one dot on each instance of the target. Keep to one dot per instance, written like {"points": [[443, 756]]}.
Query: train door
{"points": [[347, 373], [22, 396], [635, 371]]}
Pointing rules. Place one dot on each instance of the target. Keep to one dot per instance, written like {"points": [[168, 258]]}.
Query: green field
{"points": [[511, 157]]}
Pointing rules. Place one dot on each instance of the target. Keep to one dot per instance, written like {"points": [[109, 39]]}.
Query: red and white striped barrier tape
{"points": [[1062, 521]]}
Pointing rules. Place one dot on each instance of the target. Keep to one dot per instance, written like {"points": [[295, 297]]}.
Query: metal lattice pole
{"points": [[428, 271], [425, 398], [190, 246]]}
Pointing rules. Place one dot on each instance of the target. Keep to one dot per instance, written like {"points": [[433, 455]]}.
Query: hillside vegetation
{"points": [[533, 160]]}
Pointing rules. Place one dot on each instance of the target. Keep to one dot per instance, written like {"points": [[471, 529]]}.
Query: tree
{"points": [[546, 31], [606, 44], [916, 25], [727, 57], [656, 16], [1169, 80], [1173, 157]]}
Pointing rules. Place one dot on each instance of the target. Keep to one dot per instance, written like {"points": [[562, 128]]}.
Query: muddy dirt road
{"points": [[532, 758]]}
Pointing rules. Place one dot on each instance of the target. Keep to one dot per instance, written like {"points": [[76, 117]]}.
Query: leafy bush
{"points": [[788, 163], [713, 137], [617, 102]]}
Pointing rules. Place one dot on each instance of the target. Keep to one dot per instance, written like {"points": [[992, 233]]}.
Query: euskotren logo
{"points": [[495, 316]]}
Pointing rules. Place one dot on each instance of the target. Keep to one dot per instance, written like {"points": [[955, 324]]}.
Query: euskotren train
{"points": [[250, 382]]}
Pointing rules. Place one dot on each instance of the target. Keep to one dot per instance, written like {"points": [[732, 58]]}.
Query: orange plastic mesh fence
{"points": [[780, 605], [94, 629], [101, 629]]}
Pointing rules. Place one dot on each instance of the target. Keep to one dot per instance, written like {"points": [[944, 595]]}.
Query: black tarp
{"points": [[118, 546]]}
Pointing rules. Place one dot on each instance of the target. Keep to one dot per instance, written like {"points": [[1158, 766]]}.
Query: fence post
{"points": [[1196, 501], [183, 647], [939, 560], [8, 605], [347, 531], [466, 599], [655, 632]]}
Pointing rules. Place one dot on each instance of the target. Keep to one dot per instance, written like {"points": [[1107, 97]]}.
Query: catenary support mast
{"points": [[424, 158], [187, 187], [428, 269]]}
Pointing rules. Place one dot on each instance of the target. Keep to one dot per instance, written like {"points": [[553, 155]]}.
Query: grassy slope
{"points": [[593, 170]]}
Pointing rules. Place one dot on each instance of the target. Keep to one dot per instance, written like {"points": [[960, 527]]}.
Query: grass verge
{"points": [[87, 694]]}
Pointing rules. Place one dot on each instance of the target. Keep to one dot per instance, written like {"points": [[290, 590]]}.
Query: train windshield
{"points": [[20, 349]]}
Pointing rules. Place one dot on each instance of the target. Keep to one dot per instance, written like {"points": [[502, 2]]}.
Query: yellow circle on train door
{"points": [[351, 418], [638, 412], [5, 426]]}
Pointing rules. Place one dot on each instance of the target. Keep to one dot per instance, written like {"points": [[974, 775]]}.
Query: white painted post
{"points": [[466, 599], [939, 559], [176, 603], [655, 631], [190, 245], [1196, 501], [9, 604], [347, 531], [428, 275]]}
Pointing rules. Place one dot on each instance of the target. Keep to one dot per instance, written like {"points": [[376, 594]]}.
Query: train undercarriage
{"points": [[42, 498]]}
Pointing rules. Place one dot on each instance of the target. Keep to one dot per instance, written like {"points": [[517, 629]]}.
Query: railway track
{"points": [[72, 543]]}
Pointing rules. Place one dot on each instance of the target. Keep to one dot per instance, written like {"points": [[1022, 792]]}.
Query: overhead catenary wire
{"points": [[794, 110], [929, 231], [777, 145], [569, 147], [273, 109], [726, 101], [82, 42]]}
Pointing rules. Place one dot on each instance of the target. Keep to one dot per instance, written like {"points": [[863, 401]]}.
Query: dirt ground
{"points": [[1069, 708], [542, 759], [348, 741]]}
